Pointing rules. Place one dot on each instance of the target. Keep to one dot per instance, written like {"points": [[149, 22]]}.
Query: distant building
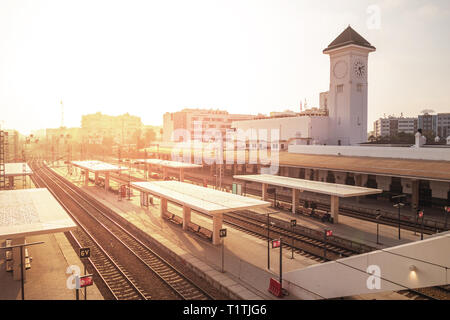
{"points": [[434, 125], [443, 125], [198, 121], [392, 126], [428, 123], [121, 128], [13, 153]]}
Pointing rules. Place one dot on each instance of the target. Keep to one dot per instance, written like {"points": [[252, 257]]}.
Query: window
{"points": [[340, 88]]}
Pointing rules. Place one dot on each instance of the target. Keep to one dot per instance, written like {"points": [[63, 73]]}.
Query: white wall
{"points": [[349, 276], [377, 152], [308, 127]]}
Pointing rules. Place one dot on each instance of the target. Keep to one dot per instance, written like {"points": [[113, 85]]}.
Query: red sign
{"points": [[329, 233], [84, 281], [275, 288], [420, 214], [276, 243]]}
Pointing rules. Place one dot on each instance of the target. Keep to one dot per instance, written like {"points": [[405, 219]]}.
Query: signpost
{"points": [[420, 216], [85, 253], [83, 282], [222, 235], [293, 224], [327, 233], [277, 244]]}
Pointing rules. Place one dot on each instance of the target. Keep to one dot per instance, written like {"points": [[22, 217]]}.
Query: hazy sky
{"points": [[149, 57]]}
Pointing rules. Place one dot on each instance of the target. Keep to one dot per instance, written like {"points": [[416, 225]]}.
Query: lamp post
{"points": [[293, 224], [446, 212], [378, 224], [420, 215], [399, 205], [268, 238]]}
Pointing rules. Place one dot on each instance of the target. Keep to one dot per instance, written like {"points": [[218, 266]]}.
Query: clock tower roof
{"points": [[348, 37]]}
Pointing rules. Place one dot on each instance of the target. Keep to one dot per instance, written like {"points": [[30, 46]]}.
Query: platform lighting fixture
{"points": [[399, 205]]}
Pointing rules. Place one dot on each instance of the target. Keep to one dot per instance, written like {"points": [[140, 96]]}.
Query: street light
{"points": [[293, 224], [420, 215], [378, 223], [399, 205], [446, 212]]}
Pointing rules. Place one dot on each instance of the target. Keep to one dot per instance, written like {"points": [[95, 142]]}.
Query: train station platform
{"points": [[246, 274], [47, 278]]}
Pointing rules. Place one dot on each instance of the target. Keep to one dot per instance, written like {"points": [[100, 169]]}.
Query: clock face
{"points": [[340, 69], [359, 68]]}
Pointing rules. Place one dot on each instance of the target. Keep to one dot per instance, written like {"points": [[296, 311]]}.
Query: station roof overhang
{"points": [[96, 166], [168, 164], [332, 189], [29, 212], [431, 170], [17, 169], [199, 198]]}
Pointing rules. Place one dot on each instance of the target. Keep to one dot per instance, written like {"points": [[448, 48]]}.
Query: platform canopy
{"points": [[96, 166], [16, 169], [29, 212], [332, 189], [199, 198], [169, 164]]}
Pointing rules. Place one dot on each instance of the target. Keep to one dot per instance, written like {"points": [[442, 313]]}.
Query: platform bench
{"points": [[193, 227], [177, 220], [206, 233]]}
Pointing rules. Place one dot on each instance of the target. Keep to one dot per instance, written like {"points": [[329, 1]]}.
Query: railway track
{"points": [[312, 248], [114, 277], [96, 216], [300, 243]]}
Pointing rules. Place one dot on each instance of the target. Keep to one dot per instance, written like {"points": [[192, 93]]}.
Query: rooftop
{"points": [[198, 198], [348, 37], [29, 212], [169, 164], [95, 165], [16, 169], [332, 189]]}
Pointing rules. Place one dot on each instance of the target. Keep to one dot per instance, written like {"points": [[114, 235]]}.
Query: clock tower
{"points": [[347, 98]]}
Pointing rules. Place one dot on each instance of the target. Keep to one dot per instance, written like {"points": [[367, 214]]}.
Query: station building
{"points": [[345, 119]]}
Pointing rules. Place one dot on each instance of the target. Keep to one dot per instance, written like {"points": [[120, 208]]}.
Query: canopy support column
{"points": [[186, 217], [294, 199], [264, 192], [163, 207], [334, 205], [217, 225], [106, 181]]}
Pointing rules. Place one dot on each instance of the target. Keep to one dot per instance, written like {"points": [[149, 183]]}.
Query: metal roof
{"points": [[16, 169], [333, 189], [198, 198], [29, 212], [169, 164], [96, 166]]}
